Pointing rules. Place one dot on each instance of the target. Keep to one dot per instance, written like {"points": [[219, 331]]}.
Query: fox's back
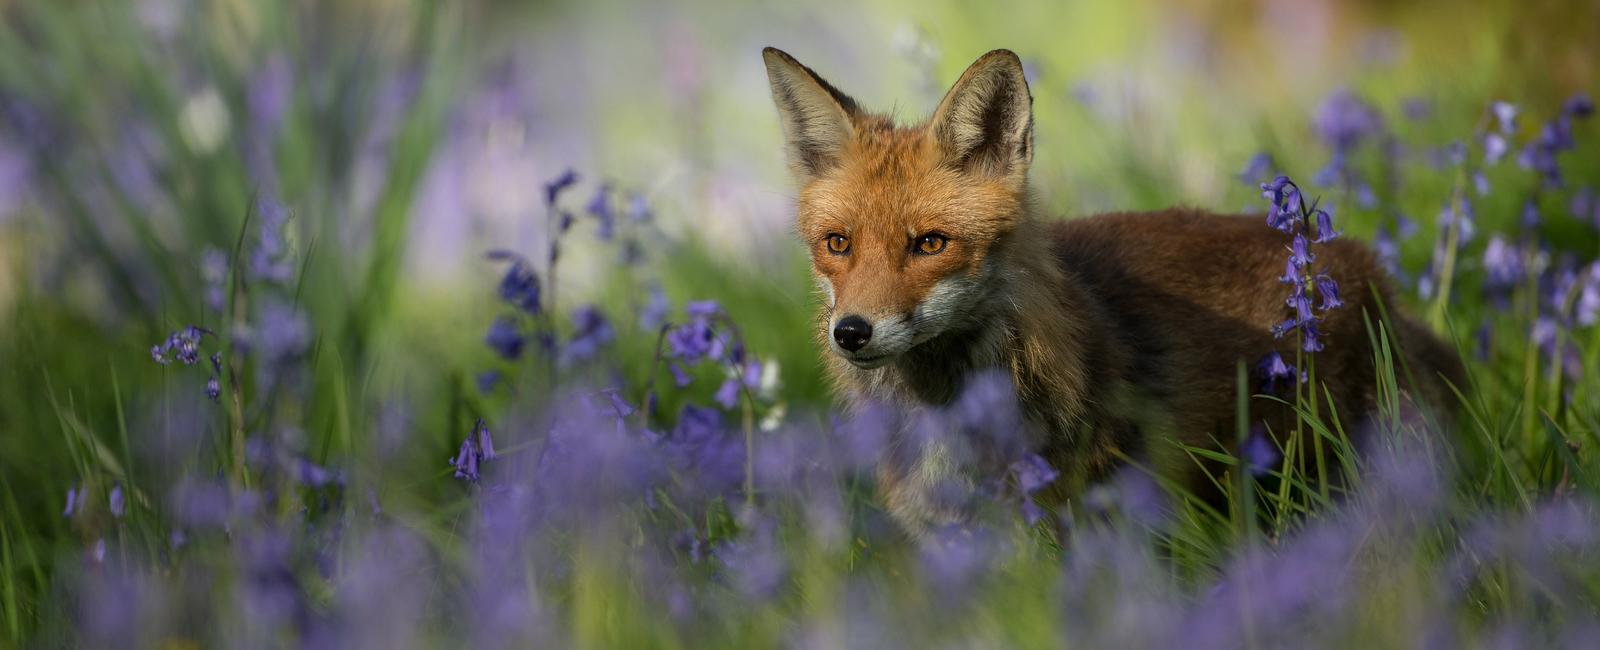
{"points": [[1190, 295]]}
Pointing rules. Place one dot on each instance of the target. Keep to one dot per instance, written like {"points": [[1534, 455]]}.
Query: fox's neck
{"points": [[1037, 324]]}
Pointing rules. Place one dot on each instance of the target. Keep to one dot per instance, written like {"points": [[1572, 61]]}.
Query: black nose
{"points": [[852, 333]]}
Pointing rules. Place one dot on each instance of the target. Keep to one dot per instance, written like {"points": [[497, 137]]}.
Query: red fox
{"points": [[1121, 332]]}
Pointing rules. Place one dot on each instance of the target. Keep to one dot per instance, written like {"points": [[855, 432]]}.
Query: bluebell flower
{"points": [[182, 345], [505, 338], [1300, 253], [1311, 339], [654, 313], [554, 188], [1259, 165], [1586, 311], [475, 449], [591, 331], [214, 272], [1302, 308], [72, 502], [1258, 453], [1530, 215], [1494, 148], [1480, 183], [1505, 115], [618, 405], [1274, 370], [679, 376], [600, 208], [1502, 263], [520, 285], [116, 501], [728, 393], [1578, 105], [693, 340], [213, 389], [638, 208], [485, 440], [1328, 293], [466, 461], [487, 381], [1325, 231], [270, 260]]}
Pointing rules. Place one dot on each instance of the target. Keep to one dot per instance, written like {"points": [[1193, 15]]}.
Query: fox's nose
{"points": [[852, 333]]}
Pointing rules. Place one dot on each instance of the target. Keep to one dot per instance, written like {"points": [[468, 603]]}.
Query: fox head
{"points": [[906, 225]]}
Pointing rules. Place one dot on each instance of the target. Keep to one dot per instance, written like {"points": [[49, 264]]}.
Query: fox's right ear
{"points": [[818, 120]]}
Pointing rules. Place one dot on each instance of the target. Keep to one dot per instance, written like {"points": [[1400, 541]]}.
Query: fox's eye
{"points": [[838, 244], [931, 244]]}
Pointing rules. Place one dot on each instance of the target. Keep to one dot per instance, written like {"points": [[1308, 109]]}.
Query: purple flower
{"points": [[475, 449], [554, 188], [520, 285], [72, 502], [1302, 308], [1325, 231], [638, 208], [680, 377], [466, 461], [270, 260], [591, 332], [600, 208], [1505, 115], [485, 441], [505, 338], [728, 393], [1274, 370], [1033, 473], [117, 503], [1258, 165], [1258, 452], [281, 332], [213, 389], [487, 380], [1502, 262], [1311, 338], [1587, 310], [1300, 253], [1578, 105], [1345, 120], [183, 345], [1328, 292], [654, 313], [1494, 148]]}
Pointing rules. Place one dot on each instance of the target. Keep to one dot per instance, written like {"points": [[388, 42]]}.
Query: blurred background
{"points": [[380, 147]]}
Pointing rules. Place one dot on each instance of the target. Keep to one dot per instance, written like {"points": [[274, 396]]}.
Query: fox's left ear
{"points": [[985, 123], [818, 120]]}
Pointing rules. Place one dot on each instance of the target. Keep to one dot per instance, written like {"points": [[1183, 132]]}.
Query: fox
{"points": [[1121, 333]]}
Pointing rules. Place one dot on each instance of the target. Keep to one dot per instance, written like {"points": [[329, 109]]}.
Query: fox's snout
{"points": [[852, 333]]}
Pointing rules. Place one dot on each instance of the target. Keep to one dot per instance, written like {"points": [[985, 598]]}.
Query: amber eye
{"points": [[838, 244], [932, 244]]}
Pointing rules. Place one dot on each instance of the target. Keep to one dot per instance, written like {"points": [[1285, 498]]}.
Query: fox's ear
{"points": [[985, 123], [817, 119]]}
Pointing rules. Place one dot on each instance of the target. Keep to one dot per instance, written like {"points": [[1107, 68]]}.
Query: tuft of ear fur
{"points": [[818, 120], [984, 124]]}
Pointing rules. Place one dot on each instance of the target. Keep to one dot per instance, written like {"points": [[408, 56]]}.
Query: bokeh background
{"points": [[398, 140]]}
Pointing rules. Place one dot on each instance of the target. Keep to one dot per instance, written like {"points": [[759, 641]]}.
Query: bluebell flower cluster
{"points": [[184, 346], [1311, 292], [1554, 138], [1032, 474], [476, 448], [1345, 122]]}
